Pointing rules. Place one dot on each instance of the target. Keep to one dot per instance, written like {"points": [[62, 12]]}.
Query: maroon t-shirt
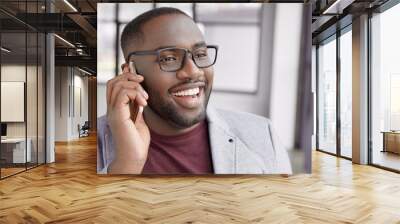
{"points": [[187, 153]]}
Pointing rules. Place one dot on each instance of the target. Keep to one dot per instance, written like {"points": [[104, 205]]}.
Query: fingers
{"points": [[118, 85], [125, 96], [144, 93], [139, 117], [124, 77], [125, 91]]}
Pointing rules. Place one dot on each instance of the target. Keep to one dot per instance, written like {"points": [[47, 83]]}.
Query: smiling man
{"points": [[158, 121]]}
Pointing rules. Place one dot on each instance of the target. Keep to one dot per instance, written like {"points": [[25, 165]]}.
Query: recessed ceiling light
{"points": [[64, 40], [86, 72], [5, 50], [70, 5], [337, 7]]}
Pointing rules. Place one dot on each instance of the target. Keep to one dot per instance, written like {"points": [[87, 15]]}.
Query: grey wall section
{"points": [[62, 80], [314, 91], [360, 90], [50, 99], [286, 75]]}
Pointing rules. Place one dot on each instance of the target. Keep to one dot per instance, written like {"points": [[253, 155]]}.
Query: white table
{"points": [[18, 145]]}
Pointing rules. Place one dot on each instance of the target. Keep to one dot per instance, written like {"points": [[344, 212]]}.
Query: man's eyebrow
{"points": [[196, 45], [162, 47], [199, 44]]}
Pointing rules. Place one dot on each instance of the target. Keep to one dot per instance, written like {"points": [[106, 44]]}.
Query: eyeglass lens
{"points": [[172, 59]]}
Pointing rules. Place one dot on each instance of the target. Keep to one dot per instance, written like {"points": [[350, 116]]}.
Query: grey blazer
{"points": [[241, 143]]}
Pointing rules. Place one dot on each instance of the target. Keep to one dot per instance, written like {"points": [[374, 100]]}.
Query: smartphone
{"points": [[134, 107]]}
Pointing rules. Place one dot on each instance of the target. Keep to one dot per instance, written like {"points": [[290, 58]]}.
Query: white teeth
{"points": [[187, 92]]}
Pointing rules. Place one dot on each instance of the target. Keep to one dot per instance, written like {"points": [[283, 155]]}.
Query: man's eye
{"points": [[168, 59], [201, 55]]}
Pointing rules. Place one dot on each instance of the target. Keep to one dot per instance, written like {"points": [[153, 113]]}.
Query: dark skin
{"points": [[163, 113]]}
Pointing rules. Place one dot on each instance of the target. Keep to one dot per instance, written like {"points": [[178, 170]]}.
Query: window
{"points": [[346, 93], [327, 96], [385, 89]]}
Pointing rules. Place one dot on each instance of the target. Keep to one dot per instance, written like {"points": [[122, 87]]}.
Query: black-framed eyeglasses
{"points": [[172, 59]]}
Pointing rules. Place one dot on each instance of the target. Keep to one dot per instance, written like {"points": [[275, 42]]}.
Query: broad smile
{"points": [[189, 96]]}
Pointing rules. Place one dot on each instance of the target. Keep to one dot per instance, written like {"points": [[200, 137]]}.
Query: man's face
{"points": [[179, 97]]}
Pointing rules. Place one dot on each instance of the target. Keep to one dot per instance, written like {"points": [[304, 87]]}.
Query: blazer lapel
{"points": [[230, 155], [222, 143]]}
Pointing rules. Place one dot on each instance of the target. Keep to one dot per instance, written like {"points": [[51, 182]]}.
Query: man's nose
{"points": [[189, 69]]}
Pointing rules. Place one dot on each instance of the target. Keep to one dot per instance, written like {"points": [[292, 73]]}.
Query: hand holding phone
{"points": [[126, 99]]}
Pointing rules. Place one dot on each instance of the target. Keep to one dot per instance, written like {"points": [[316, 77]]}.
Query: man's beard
{"points": [[169, 112]]}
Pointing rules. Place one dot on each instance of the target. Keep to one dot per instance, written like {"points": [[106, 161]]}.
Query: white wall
{"points": [[67, 115], [78, 117], [314, 90], [61, 103]]}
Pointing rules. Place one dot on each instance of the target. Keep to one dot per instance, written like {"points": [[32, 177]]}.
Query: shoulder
{"points": [[253, 130], [243, 121], [102, 127], [104, 145]]}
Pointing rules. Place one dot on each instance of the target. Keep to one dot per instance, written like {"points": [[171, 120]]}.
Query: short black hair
{"points": [[133, 30]]}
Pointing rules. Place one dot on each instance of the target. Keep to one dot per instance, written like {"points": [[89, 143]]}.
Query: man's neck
{"points": [[161, 126]]}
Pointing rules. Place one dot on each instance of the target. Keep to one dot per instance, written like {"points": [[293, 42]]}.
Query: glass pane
{"points": [[327, 97], [31, 89], [41, 100], [13, 85], [346, 94], [31, 98], [385, 84]]}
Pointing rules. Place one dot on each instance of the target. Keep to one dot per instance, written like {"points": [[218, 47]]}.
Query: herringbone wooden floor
{"points": [[70, 191]]}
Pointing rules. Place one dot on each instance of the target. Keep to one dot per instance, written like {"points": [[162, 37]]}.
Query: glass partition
{"points": [[13, 94], [22, 90]]}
